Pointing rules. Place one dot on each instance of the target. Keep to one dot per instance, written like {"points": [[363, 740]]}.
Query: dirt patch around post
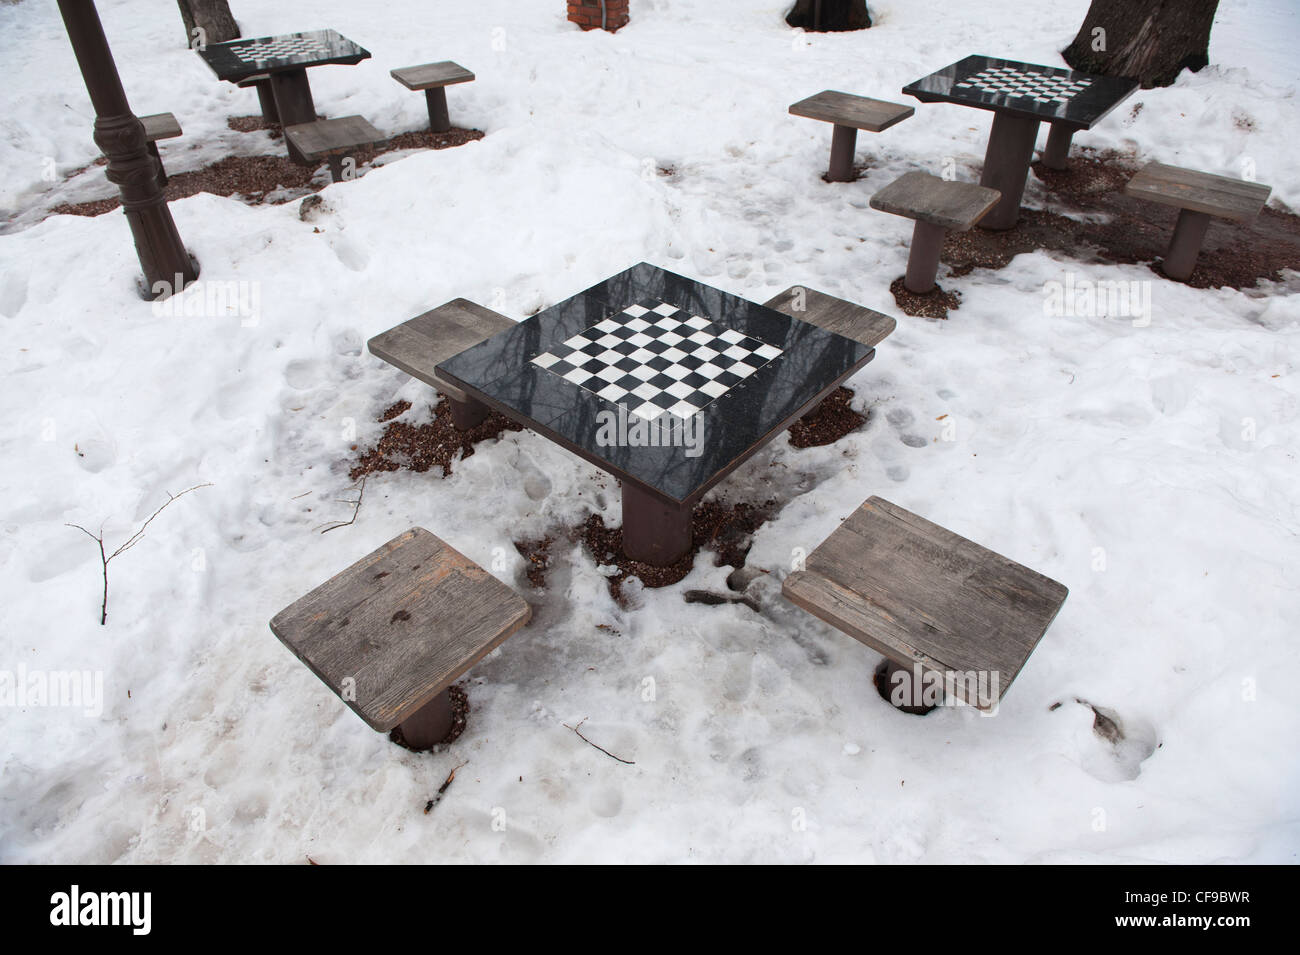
{"points": [[1090, 219], [832, 420], [409, 447], [268, 179]]}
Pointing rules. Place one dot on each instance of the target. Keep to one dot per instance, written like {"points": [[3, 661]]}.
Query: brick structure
{"points": [[587, 14]]}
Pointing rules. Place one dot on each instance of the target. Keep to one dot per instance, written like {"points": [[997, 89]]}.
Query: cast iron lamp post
{"points": [[120, 135]]}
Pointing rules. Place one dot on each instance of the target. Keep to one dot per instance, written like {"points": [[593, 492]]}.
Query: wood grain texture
{"points": [[1220, 196], [919, 593], [160, 126], [947, 204], [833, 314], [327, 137], [846, 109], [419, 345], [404, 622], [428, 75]]}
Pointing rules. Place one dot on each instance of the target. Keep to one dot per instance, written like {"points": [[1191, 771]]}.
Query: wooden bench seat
{"points": [[849, 113], [159, 126], [332, 140], [925, 597], [937, 205], [265, 95], [832, 314], [1198, 196], [419, 345], [433, 79], [391, 633]]}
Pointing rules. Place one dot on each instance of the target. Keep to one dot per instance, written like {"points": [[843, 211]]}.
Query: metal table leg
{"points": [[1057, 152], [430, 724], [655, 530], [294, 104], [1006, 164], [1185, 246], [467, 414], [923, 259], [899, 686], [843, 142], [266, 100], [439, 120]]}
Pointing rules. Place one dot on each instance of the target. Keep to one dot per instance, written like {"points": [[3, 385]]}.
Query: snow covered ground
{"points": [[1152, 469]]}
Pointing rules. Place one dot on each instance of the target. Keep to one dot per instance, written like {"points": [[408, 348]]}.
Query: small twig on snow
{"points": [[130, 542], [437, 797], [356, 507], [576, 729]]}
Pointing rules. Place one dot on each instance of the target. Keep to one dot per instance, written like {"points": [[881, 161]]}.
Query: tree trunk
{"points": [[829, 15], [1150, 41], [213, 17]]}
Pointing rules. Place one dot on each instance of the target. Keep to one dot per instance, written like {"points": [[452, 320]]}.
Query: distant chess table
{"points": [[285, 59], [1021, 95], [663, 382]]}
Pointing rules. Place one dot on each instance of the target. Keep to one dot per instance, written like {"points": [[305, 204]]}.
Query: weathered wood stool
{"points": [[849, 113], [833, 314], [419, 345], [265, 95], [1198, 195], [332, 140], [159, 126], [937, 205], [391, 633], [944, 611], [434, 78]]}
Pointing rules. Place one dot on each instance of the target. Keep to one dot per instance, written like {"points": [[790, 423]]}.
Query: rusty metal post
{"points": [[1057, 152], [120, 135], [439, 118], [844, 141], [430, 724], [1185, 246], [1006, 165], [655, 530], [923, 259]]}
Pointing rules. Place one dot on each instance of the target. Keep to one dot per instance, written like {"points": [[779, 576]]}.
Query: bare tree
{"points": [[1150, 41], [829, 15], [213, 17], [130, 542]]}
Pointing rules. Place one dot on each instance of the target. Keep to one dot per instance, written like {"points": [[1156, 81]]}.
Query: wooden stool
{"points": [[159, 126], [935, 604], [849, 113], [1197, 195], [832, 314], [265, 95], [391, 633], [937, 205], [434, 78], [332, 140], [419, 345]]}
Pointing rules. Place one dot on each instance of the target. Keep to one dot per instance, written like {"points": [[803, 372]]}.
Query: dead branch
{"points": [[576, 729], [106, 558], [356, 506], [437, 797]]}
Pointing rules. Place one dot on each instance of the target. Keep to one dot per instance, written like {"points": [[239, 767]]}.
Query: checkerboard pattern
{"points": [[654, 358], [1019, 83], [275, 48]]}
